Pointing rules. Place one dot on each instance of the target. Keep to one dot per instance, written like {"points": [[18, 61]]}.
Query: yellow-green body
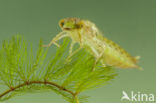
{"points": [[87, 35]]}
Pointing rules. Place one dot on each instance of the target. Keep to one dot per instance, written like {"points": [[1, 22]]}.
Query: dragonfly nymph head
{"points": [[70, 24]]}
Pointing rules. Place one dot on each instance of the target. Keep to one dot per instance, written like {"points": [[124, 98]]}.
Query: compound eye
{"points": [[62, 23], [78, 26]]}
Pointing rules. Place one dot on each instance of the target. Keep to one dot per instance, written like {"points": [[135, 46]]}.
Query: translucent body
{"points": [[87, 35]]}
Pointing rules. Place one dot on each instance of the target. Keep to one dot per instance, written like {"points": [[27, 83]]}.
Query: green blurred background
{"points": [[130, 23]]}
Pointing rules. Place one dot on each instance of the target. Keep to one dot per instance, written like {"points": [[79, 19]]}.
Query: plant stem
{"points": [[36, 82], [76, 99]]}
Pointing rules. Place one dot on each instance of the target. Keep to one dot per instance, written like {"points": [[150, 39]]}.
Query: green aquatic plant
{"points": [[23, 71]]}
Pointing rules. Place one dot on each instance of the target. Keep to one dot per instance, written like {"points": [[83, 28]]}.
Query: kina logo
{"points": [[137, 96]]}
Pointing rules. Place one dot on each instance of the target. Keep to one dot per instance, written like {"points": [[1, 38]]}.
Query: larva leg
{"points": [[58, 37], [97, 60], [71, 47], [71, 54]]}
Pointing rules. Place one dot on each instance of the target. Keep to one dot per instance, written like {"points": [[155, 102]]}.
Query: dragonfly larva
{"points": [[88, 36]]}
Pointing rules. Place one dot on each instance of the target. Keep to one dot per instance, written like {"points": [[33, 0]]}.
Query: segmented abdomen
{"points": [[114, 55]]}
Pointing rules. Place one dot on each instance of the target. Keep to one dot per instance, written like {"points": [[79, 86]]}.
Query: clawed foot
{"points": [[51, 44]]}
